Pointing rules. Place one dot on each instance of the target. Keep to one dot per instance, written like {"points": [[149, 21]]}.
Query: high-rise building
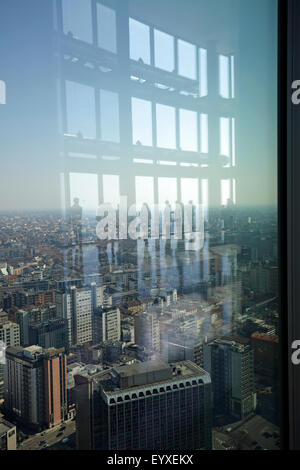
{"points": [[49, 334], [10, 333], [149, 405], [230, 364], [10, 336], [35, 385], [76, 306], [29, 316], [106, 324], [147, 331]]}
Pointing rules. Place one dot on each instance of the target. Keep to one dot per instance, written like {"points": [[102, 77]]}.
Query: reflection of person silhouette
{"points": [[76, 220], [179, 223], [76, 224], [166, 225], [145, 216]]}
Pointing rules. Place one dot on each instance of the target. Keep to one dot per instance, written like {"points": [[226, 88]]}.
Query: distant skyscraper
{"points": [[35, 385], [147, 331], [75, 306], [106, 325], [230, 364], [49, 334], [150, 405], [10, 335]]}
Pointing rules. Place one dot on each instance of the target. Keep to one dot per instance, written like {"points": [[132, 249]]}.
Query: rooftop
{"points": [[5, 426]]}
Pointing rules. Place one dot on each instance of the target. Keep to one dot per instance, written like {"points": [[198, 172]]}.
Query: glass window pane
{"points": [[139, 35], [186, 59], [224, 76], [189, 190], [77, 19], [167, 190], [233, 141], [111, 189], [203, 133], [106, 28], [144, 190], [80, 101], [204, 192], [232, 76], [84, 186], [203, 89], [165, 121], [141, 122], [225, 192], [188, 130], [164, 50], [109, 109], [225, 136]]}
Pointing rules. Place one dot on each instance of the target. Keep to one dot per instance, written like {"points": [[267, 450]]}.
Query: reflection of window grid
{"points": [[189, 190], [227, 141], [139, 36], [77, 19], [164, 51], [165, 126], [111, 189], [226, 76], [187, 59], [228, 191], [107, 35], [200, 73], [188, 130], [144, 190], [167, 190], [141, 122], [80, 106], [85, 187], [109, 116]]}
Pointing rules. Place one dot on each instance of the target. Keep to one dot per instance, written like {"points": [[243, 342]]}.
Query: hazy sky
{"points": [[233, 126]]}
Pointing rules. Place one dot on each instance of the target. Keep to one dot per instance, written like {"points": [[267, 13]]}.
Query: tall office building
{"points": [[100, 297], [76, 307], [147, 331], [10, 333], [150, 405], [230, 364], [35, 385], [49, 334], [106, 325], [10, 336]]}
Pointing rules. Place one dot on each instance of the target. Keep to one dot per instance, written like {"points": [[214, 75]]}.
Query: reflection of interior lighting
{"points": [[104, 69], [161, 86], [165, 162], [141, 160], [195, 165], [89, 65], [108, 157]]}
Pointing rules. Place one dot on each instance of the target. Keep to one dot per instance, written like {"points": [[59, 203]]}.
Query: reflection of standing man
{"points": [[76, 220], [166, 225]]}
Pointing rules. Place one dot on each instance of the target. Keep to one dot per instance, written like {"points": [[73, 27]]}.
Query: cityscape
{"points": [[158, 326], [137, 319]]}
